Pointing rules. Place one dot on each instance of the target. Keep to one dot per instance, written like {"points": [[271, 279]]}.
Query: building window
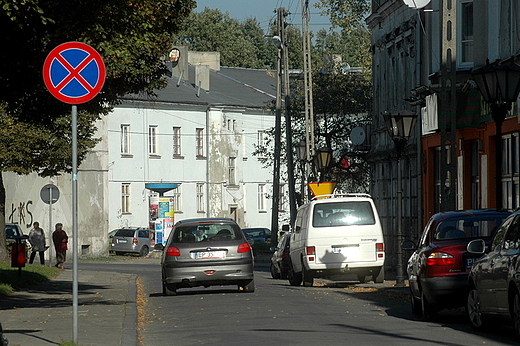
{"points": [[125, 198], [475, 174], [152, 140], [510, 168], [261, 142], [466, 31], [282, 202], [176, 199], [200, 198], [232, 171], [125, 139], [261, 197], [199, 142], [176, 141]]}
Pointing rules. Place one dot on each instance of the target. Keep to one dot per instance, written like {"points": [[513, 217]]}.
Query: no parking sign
{"points": [[74, 72]]}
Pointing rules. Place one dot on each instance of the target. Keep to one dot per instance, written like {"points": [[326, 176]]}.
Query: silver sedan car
{"points": [[207, 252]]}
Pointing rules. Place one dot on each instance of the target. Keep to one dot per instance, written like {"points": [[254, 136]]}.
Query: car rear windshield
{"points": [[205, 233], [343, 214], [470, 227], [125, 233]]}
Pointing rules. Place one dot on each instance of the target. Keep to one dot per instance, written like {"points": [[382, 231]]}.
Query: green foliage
{"points": [[31, 274], [241, 44], [347, 14]]}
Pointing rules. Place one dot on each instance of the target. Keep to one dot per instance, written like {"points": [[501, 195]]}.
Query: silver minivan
{"points": [[335, 235], [132, 240]]}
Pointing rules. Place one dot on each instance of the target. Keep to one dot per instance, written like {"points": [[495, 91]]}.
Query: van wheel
{"points": [[379, 276], [308, 279], [295, 279], [361, 278], [144, 251]]}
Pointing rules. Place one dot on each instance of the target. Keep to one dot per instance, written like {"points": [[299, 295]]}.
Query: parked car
{"points": [[258, 234], [494, 281], [438, 268], [337, 236], [132, 240], [281, 258], [207, 252]]}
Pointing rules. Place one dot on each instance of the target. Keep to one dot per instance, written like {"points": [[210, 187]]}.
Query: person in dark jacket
{"points": [[60, 240]]}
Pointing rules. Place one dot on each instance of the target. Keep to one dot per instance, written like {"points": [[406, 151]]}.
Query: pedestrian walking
{"points": [[60, 240], [37, 241]]}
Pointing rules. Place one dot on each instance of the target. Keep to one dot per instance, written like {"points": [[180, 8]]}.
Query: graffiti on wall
{"points": [[21, 214]]}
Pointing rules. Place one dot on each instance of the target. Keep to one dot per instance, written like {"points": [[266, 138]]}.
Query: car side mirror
{"points": [[477, 246], [408, 245], [159, 247], [251, 241]]}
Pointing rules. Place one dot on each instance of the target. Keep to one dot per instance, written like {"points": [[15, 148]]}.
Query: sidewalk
{"points": [[43, 315]]}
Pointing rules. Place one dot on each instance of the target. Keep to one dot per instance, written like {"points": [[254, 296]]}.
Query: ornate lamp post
{"points": [[499, 86], [399, 126], [323, 159]]}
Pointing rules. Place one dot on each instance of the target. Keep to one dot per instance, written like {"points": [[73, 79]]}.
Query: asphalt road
{"points": [[277, 313]]}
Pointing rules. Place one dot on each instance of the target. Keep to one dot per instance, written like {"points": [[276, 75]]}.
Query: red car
{"points": [[438, 268]]}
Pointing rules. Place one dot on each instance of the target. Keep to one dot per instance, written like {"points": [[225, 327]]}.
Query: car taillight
{"points": [[173, 251], [311, 252], [380, 249], [244, 247], [134, 241], [440, 259], [285, 255]]}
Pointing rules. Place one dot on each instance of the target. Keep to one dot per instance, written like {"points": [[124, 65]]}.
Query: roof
{"points": [[233, 87]]}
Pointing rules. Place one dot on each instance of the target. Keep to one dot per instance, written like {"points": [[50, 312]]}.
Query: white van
{"points": [[336, 235]]}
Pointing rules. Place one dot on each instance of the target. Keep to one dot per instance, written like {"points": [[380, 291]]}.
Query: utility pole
{"points": [[309, 111], [277, 134], [288, 128]]}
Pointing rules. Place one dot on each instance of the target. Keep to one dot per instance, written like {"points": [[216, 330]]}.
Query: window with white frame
{"points": [[282, 202], [261, 141], [176, 141], [261, 197], [232, 171], [152, 140], [125, 198], [199, 144], [125, 139], [200, 198], [466, 32], [176, 198]]}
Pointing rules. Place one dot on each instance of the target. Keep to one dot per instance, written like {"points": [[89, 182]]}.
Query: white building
{"points": [[198, 134]]}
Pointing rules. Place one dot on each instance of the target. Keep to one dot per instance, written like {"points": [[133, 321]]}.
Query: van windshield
{"points": [[343, 214]]}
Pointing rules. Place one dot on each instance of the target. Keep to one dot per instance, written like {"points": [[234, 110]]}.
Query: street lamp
{"points": [[499, 86], [399, 126], [322, 159]]}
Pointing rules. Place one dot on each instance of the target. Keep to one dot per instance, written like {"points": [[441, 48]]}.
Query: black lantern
{"points": [[323, 158], [301, 150], [399, 126]]}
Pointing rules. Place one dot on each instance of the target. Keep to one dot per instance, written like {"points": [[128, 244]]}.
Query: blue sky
{"points": [[264, 11]]}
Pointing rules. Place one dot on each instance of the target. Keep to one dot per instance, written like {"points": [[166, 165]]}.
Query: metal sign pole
{"points": [[50, 225], [75, 221]]}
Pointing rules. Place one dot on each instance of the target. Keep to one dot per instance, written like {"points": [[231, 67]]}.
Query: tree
{"points": [[35, 129], [240, 44]]}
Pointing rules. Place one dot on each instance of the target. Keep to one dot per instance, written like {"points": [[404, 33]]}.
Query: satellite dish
{"points": [[357, 135], [416, 3]]}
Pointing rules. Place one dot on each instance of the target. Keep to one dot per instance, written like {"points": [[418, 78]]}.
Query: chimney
{"points": [[202, 77]]}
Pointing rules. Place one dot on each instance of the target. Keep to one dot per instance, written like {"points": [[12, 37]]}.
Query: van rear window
{"points": [[343, 214]]}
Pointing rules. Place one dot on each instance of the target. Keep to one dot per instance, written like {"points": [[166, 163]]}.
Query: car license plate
{"points": [[210, 254], [122, 241], [470, 261]]}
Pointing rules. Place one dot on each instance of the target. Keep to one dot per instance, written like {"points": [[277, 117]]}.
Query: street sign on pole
{"points": [[50, 194], [74, 73]]}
